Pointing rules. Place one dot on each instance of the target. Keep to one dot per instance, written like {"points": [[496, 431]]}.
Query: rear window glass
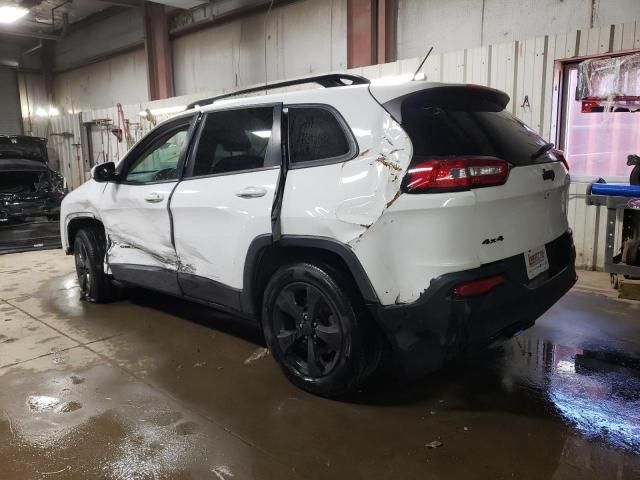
{"points": [[461, 122], [315, 134]]}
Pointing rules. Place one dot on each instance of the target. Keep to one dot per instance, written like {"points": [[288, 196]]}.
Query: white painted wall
{"points": [[302, 38], [121, 79], [457, 24]]}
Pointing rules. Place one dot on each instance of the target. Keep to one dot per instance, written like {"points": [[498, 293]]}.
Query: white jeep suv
{"points": [[420, 219]]}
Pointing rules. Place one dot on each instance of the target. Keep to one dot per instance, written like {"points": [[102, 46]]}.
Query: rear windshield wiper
{"points": [[542, 150]]}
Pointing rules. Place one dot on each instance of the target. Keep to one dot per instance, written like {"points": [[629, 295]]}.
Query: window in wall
{"points": [[596, 144], [315, 134], [234, 141]]}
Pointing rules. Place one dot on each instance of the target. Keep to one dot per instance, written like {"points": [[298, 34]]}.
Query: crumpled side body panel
{"points": [[345, 201]]}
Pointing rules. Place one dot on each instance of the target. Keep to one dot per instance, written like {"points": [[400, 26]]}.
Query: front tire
{"points": [[89, 249], [318, 330]]}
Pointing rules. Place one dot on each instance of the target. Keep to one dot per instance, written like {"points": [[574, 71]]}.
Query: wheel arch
{"points": [[264, 257], [74, 225]]}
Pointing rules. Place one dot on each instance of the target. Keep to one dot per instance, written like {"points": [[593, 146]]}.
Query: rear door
{"points": [[225, 200], [529, 209], [135, 210]]}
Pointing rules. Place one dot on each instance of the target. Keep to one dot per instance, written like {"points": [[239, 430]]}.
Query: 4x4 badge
{"points": [[489, 241]]}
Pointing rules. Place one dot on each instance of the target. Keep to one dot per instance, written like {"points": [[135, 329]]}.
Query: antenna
{"points": [[266, 77], [421, 63]]}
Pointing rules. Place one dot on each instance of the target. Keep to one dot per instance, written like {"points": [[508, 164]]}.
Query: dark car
{"points": [[28, 188]]}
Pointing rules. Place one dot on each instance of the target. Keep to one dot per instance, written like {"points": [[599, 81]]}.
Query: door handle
{"points": [[252, 192], [154, 197]]}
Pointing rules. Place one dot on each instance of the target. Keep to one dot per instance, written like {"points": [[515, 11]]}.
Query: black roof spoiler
{"points": [[328, 81]]}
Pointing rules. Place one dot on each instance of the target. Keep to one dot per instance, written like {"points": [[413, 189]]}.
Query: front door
{"points": [[135, 209], [225, 200]]}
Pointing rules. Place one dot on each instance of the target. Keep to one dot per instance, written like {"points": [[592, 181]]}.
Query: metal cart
{"points": [[618, 197]]}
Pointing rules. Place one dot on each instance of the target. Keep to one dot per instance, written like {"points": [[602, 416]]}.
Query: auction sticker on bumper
{"points": [[536, 261]]}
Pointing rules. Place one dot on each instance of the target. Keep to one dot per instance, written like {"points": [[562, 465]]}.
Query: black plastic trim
{"points": [[151, 277], [252, 260], [344, 252], [328, 81], [439, 325], [210, 291], [279, 149]]}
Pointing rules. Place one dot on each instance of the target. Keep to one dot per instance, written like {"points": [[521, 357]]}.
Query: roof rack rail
{"points": [[328, 81]]}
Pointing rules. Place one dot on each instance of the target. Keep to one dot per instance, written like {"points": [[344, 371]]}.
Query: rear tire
{"points": [[318, 330], [89, 249]]}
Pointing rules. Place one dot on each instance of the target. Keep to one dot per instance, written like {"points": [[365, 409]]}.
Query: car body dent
{"points": [[374, 177]]}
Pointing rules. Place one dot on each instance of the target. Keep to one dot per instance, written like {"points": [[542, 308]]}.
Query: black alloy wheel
{"points": [[318, 330], [307, 329]]}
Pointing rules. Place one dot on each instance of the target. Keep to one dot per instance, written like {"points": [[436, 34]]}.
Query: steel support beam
{"points": [[158, 51], [361, 32], [124, 3], [27, 33], [387, 30], [371, 32], [47, 63]]}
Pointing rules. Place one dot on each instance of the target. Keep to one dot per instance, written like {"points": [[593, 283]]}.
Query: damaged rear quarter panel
{"points": [[345, 200]]}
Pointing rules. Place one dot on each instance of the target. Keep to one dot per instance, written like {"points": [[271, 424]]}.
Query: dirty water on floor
{"points": [[154, 387]]}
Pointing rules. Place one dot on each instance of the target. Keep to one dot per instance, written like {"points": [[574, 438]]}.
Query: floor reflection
{"points": [[596, 392]]}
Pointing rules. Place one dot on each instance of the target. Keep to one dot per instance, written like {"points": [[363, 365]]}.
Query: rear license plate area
{"points": [[536, 261]]}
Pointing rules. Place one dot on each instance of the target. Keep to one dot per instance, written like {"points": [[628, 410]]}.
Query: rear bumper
{"points": [[438, 325]]}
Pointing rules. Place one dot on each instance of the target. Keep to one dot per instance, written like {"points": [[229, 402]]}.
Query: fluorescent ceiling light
{"points": [[9, 14]]}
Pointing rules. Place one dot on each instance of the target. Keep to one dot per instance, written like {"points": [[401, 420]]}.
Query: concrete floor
{"points": [[154, 387]]}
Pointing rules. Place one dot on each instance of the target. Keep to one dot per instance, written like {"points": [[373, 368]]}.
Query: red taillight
{"points": [[478, 287], [459, 173]]}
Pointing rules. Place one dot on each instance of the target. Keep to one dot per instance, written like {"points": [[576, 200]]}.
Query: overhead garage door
{"points": [[10, 121]]}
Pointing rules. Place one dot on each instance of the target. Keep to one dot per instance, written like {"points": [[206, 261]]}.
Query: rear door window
{"points": [[455, 121], [316, 134], [234, 141]]}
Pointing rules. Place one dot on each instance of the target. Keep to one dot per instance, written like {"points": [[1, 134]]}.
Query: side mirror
{"points": [[105, 172]]}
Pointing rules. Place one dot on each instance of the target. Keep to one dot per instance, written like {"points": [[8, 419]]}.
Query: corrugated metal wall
{"points": [[524, 69], [302, 38], [457, 24]]}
